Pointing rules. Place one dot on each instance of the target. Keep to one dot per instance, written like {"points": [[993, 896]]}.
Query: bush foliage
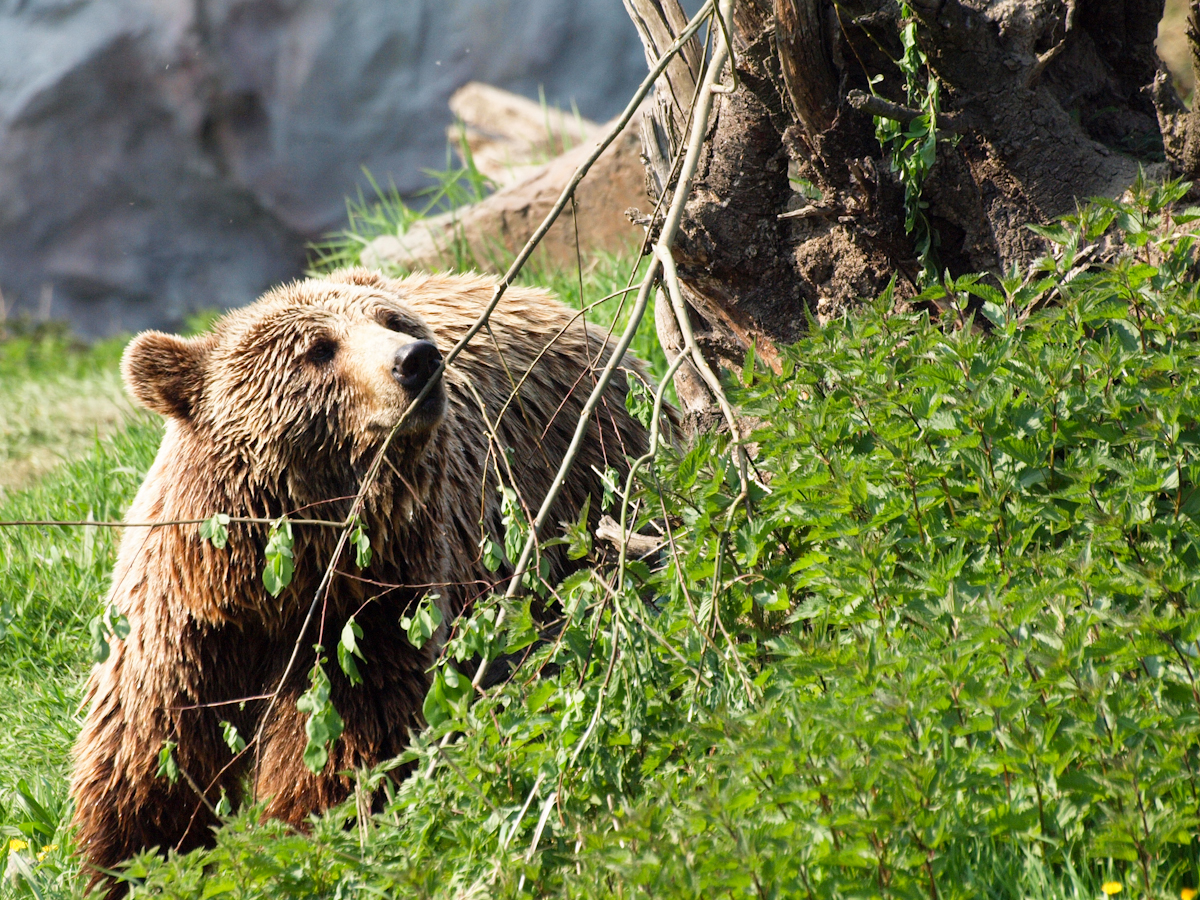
{"points": [[947, 645]]}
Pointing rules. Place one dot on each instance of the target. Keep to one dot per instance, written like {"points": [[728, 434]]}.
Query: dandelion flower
{"points": [[1111, 887], [16, 844], [1187, 894], [45, 850]]}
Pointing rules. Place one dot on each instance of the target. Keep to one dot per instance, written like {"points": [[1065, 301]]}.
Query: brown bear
{"points": [[279, 410]]}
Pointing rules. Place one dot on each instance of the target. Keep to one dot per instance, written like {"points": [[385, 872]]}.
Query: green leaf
{"points": [[323, 725], [348, 649], [99, 648], [639, 402], [447, 695], [1127, 334], [362, 546], [278, 572], [994, 313], [577, 533], [167, 767], [748, 366], [109, 624], [610, 479], [215, 530], [516, 526], [233, 740], [1054, 233], [119, 624], [424, 621], [491, 553]]}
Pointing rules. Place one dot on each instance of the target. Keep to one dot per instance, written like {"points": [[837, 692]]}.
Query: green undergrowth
{"points": [[945, 645], [944, 648]]}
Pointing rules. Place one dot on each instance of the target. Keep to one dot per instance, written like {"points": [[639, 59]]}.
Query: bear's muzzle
{"points": [[415, 364]]}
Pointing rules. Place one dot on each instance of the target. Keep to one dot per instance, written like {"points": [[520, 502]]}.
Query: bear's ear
{"points": [[357, 275], [165, 373]]}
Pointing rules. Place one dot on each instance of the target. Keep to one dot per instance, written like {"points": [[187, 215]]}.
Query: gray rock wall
{"points": [[163, 156]]}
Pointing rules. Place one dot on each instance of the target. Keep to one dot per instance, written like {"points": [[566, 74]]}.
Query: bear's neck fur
{"points": [[399, 512]]}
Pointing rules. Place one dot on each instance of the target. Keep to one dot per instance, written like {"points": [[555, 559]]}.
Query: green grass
{"points": [[945, 648], [56, 396], [52, 582]]}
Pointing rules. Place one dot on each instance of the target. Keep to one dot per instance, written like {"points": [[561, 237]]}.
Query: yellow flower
{"points": [[1111, 887], [1187, 894], [42, 853], [16, 844]]}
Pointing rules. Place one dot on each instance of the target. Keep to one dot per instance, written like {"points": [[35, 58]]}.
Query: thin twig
{"points": [[662, 250], [239, 520], [651, 451], [670, 228], [618, 352]]}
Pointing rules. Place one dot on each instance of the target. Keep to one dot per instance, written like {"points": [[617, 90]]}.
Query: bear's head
{"points": [[313, 376]]}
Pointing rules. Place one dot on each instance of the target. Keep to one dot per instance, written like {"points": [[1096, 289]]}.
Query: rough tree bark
{"points": [[797, 211]]}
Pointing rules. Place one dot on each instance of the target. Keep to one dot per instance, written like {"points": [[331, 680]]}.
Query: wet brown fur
{"points": [[260, 423]]}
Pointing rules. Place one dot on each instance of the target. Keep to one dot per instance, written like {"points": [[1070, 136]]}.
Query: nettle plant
{"points": [[947, 644]]}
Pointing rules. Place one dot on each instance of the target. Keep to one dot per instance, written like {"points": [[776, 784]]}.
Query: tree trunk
{"points": [[798, 210]]}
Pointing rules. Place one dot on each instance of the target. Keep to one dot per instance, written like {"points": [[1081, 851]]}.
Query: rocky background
{"points": [[163, 156]]}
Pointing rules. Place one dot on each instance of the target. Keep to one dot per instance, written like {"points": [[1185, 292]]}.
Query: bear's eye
{"points": [[393, 322], [322, 351]]}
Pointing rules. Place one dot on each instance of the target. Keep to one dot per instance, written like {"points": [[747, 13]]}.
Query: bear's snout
{"points": [[415, 364]]}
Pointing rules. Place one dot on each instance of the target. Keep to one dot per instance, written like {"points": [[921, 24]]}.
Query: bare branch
{"points": [[657, 21], [948, 123], [639, 544]]}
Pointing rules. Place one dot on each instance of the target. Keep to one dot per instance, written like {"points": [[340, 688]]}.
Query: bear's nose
{"points": [[415, 363]]}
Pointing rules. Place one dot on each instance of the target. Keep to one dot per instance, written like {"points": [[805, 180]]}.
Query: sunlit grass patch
{"points": [[57, 395]]}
